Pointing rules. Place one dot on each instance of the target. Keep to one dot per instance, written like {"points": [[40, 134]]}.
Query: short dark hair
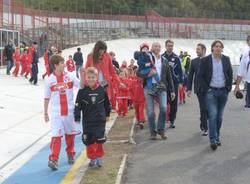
{"points": [[215, 42], [79, 49], [203, 47], [168, 41]]}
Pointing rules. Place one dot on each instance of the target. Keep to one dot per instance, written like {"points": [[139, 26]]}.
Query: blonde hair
{"points": [[91, 70]]}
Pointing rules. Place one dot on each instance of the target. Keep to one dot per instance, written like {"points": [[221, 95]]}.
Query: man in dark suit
{"points": [[192, 76], [215, 77]]}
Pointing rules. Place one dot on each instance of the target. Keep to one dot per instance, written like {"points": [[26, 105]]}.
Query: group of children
{"points": [[22, 60], [131, 95]]}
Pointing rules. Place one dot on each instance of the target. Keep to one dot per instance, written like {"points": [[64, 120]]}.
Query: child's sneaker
{"points": [[92, 163], [71, 160], [53, 164], [99, 161]]}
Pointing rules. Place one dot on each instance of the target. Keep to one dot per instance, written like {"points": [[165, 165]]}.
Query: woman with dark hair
{"points": [[102, 61]]}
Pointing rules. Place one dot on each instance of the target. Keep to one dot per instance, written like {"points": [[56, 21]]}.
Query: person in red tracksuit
{"points": [[29, 63], [24, 61], [17, 59], [70, 64], [46, 62], [123, 95], [138, 99]]}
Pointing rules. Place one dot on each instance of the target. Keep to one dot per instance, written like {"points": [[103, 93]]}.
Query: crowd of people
{"points": [[105, 86]]}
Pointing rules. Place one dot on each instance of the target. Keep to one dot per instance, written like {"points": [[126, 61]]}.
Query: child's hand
{"points": [[147, 64], [46, 117]]}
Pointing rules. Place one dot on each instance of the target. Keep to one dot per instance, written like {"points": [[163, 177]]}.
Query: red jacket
{"points": [[70, 64], [107, 69], [16, 56], [24, 59], [136, 90]]}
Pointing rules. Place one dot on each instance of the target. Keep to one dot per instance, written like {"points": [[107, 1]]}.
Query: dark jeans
{"points": [[248, 95], [78, 67], [10, 64], [174, 104], [34, 77], [203, 111], [216, 101]]}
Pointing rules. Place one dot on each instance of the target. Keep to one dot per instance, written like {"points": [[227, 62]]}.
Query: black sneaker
{"points": [[213, 146], [53, 164], [218, 143]]}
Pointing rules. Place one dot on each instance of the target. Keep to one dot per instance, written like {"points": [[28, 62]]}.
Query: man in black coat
{"points": [[215, 77], [192, 76], [78, 60]]}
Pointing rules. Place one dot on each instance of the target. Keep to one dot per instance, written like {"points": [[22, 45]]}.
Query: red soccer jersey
{"points": [[70, 64]]}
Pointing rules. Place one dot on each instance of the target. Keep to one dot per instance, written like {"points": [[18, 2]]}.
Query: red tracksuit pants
{"points": [[47, 71], [16, 71], [139, 111], [28, 71], [55, 146], [122, 107], [182, 94], [95, 150], [24, 68]]}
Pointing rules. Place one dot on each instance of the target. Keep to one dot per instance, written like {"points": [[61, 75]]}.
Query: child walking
{"points": [[92, 101], [59, 94]]}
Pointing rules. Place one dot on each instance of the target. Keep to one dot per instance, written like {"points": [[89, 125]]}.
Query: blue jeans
{"points": [[216, 100], [162, 98], [10, 64]]}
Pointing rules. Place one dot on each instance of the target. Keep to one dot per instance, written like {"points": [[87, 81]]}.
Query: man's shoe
{"points": [[163, 135], [153, 137], [92, 163], [53, 164], [205, 133], [218, 143], [213, 146], [99, 161], [71, 160]]}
